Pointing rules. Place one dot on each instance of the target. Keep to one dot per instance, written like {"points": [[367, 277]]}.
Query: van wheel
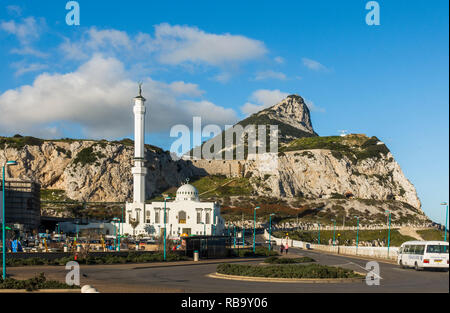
{"points": [[417, 268], [401, 265]]}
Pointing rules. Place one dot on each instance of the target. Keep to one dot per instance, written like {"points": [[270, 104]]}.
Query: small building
{"points": [[23, 204], [186, 215]]}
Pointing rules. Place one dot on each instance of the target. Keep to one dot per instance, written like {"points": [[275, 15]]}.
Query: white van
{"points": [[423, 254]]}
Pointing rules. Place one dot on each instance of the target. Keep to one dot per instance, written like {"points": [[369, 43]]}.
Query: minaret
{"points": [[139, 170]]}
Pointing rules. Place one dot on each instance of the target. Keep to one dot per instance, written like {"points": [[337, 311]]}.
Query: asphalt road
{"points": [[193, 278]]}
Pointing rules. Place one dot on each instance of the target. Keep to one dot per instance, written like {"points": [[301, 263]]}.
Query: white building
{"points": [[185, 215]]}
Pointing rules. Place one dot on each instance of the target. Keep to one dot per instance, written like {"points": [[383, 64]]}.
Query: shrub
{"points": [[287, 271], [278, 260], [35, 283]]}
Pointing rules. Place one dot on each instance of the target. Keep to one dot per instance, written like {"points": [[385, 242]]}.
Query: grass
{"points": [[87, 156], [278, 260], [35, 283], [354, 147], [18, 141], [236, 187], [347, 236], [432, 234], [107, 259], [248, 253], [287, 271]]}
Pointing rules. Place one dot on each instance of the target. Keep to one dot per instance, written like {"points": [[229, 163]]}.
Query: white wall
{"points": [[376, 252]]}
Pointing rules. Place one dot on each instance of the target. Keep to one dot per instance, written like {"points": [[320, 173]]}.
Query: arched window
{"points": [[182, 217], [147, 217], [207, 218]]}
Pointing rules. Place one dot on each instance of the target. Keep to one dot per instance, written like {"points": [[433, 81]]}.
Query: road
{"points": [[193, 278]]}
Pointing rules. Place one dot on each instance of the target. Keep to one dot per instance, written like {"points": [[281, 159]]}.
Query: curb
{"points": [[286, 280]]}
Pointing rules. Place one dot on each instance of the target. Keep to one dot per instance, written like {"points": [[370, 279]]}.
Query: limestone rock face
{"points": [[91, 170], [319, 174], [291, 111]]}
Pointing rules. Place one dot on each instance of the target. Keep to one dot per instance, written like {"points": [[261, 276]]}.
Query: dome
{"points": [[187, 192]]}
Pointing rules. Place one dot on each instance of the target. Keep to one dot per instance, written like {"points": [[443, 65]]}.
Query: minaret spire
{"points": [[139, 170]]}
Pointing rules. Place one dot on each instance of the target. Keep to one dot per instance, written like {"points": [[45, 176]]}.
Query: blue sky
{"points": [[222, 60]]}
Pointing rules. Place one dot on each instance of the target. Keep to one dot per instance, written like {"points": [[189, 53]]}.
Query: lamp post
{"points": [[121, 228], [7, 163], [165, 199], [270, 231], [389, 232], [204, 228], [334, 231], [234, 231], [254, 228], [319, 234], [115, 221], [357, 232], [243, 231], [446, 218]]}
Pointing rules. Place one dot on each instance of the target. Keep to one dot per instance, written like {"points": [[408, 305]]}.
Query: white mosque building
{"points": [[185, 214]]}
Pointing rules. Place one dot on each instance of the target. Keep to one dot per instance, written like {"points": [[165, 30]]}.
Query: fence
{"points": [[375, 252]]}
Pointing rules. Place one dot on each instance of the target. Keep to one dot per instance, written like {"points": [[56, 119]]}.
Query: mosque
{"points": [[185, 214]]}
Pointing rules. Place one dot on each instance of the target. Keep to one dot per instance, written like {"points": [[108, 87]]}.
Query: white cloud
{"points": [[97, 98], [312, 107], [279, 60], [14, 10], [313, 65], [173, 45], [29, 51], [188, 89], [270, 75], [179, 44], [263, 99], [222, 77], [27, 31], [22, 68]]}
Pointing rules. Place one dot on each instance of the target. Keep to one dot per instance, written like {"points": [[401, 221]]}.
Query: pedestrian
{"points": [[286, 248], [281, 248]]}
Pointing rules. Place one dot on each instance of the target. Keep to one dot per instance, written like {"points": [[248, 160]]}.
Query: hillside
{"points": [[89, 170]]}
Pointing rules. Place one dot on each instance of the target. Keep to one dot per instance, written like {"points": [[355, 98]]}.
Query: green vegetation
{"points": [[53, 195], [247, 253], [347, 236], [35, 283], [105, 259], [432, 234], [354, 147], [18, 141], [87, 156], [285, 131], [130, 143], [278, 260], [287, 271], [214, 184]]}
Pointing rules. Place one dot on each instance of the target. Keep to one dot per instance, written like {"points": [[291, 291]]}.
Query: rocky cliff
{"points": [[90, 170]]}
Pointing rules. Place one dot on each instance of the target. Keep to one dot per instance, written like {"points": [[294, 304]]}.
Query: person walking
{"points": [[286, 248], [281, 248]]}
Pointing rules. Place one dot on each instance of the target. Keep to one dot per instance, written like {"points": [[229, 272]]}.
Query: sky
{"points": [[223, 60]]}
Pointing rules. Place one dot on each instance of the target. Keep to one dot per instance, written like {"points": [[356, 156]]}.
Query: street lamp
{"points": [[115, 221], [234, 231], [319, 234], [254, 228], [7, 163], [334, 231], [270, 231], [389, 232], [165, 198], [357, 232], [204, 228], [121, 228], [446, 218]]}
